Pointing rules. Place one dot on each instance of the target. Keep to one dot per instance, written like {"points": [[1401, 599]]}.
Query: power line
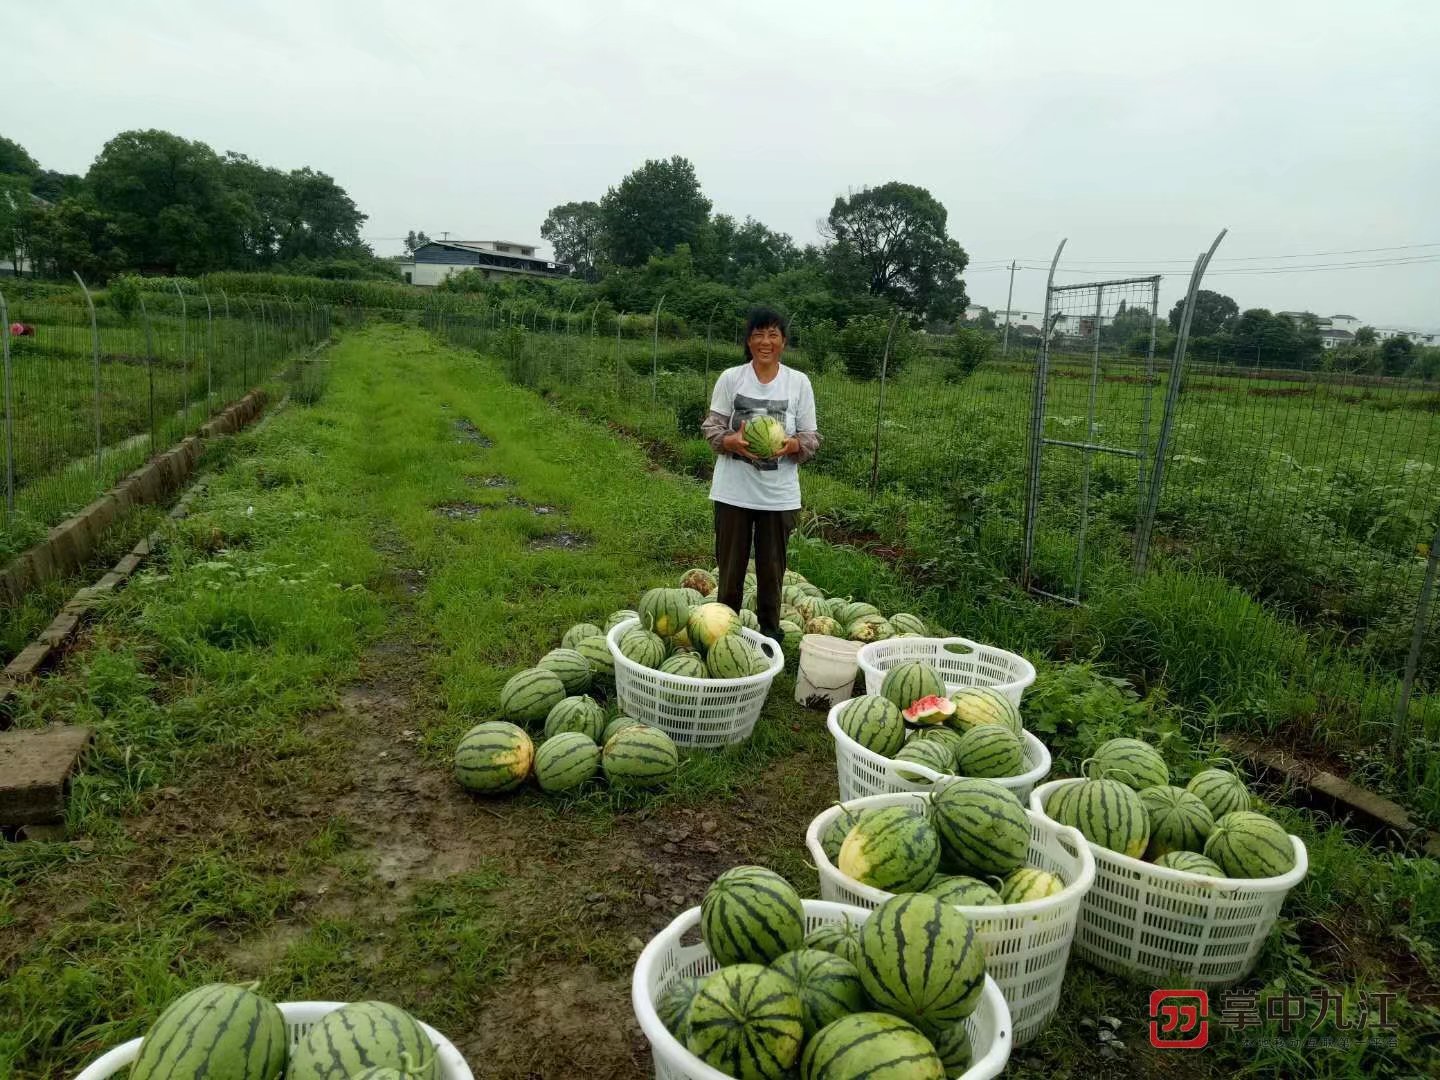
{"points": [[1229, 258]]}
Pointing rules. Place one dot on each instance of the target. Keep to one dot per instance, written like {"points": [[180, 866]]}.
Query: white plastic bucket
{"points": [[828, 666]]}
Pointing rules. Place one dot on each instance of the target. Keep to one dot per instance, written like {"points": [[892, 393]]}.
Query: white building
{"points": [[433, 262], [1419, 337]]}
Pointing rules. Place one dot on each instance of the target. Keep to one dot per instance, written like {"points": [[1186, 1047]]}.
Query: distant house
{"points": [[433, 262], [1419, 337], [1330, 337]]}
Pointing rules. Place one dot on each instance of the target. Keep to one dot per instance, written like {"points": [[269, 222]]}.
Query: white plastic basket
{"points": [[863, 772], [1026, 945], [1140, 918], [668, 957], [960, 662], [693, 712], [300, 1017]]}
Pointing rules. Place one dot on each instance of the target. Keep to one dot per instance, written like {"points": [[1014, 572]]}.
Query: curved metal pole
{"points": [[150, 371], [95, 355], [709, 327], [655, 354], [184, 355], [1037, 425], [880, 404], [9, 420], [209, 347]]}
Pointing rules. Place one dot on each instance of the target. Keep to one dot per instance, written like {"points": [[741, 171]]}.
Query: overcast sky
{"points": [[1137, 130]]}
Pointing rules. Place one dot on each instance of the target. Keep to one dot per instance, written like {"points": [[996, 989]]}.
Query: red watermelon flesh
{"points": [[929, 711]]}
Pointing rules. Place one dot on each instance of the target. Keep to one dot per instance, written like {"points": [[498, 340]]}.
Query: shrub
{"points": [[863, 346]]}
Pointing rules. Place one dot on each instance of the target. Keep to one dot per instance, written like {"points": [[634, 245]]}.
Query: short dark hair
{"points": [[762, 318]]}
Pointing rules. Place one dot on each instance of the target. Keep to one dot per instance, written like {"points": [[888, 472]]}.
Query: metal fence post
{"points": [[209, 347], [880, 406], [709, 328], [1412, 662], [95, 354], [655, 355], [9, 416], [1037, 429], [184, 356], [149, 371]]}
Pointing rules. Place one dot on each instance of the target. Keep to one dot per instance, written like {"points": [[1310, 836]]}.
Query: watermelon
{"points": [[791, 594], [928, 711], [673, 1004], [946, 736], [664, 611], [1134, 763], [578, 633], [751, 915], [847, 612], [810, 607], [565, 761], [617, 617], [828, 986], [702, 581], [407, 1071], [791, 636], [1191, 862], [621, 721], [1220, 791], [692, 597], [765, 436], [1179, 821], [747, 1022], [873, 722], [679, 642], [730, 658], [749, 620], [1029, 883], [1245, 844], [687, 664], [596, 651], [893, 849], [528, 697], [905, 623], [990, 751], [640, 757], [963, 890], [929, 753], [869, 628], [219, 1031], [748, 602], [911, 680], [708, 623], [870, 1046], [920, 960], [360, 1035], [841, 938], [1109, 814], [835, 833], [982, 826], [493, 757], [976, 705], [643, 647], [574, 670], [834, 606], [952, 1045], [824, 626], [580, 713], [794, 577]]}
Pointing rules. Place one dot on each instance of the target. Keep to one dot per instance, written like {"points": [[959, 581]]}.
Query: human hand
{"points": [[791, 448], [736, 444]]}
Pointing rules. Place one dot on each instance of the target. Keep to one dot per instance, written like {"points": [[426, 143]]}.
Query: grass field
{"points": [[276, 699]]}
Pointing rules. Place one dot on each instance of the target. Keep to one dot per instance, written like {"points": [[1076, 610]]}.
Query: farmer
{"points": [[756, 498]]}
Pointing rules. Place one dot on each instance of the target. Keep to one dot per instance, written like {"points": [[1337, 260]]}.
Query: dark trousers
{"points": [[769, 530]]}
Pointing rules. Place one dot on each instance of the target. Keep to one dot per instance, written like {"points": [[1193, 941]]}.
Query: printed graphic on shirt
{"points": [[748, 408]]}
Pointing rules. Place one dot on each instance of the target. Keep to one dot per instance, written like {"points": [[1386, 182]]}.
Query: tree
{"points": [[1396, 354], [573, 230], [14, 201], [53, 186], [320, 220], [15, 161], [656, 208], [1214, 312], [1365, 335], [1129, 322], [75, 234], [744, 253], [415, 240], [891, 241]]}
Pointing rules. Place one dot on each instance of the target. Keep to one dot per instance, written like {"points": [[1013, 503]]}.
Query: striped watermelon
{"points": [[730, 658], [596, 651], [952, 1045], [748, 602], [791, 635], [945, 736], [643, 648], [617, 617], [892, 848], [870, 1045], [1179, 821], [848, 611], [702, 581], [751, 915], [578, 633], [905, 623], [1220, 791], [749, 620], [874, 722], [673, 1004], [983, 827], [664, 611], [910, 681], [692, 597], [976, 705], [1109, 814], [580, 713], [990, 751], [869, 628], [219, 1031], [746, 1021], [824, 626], [920, 960], [640, 757], [841, 938], [574, 670], [835, 833], [565, 761], [493, 757], [1245, 844], [708, 623], [810, 607], [963, 890], [360, 1035], [621, 721], [687, 664], [1134, 763], [1191, 862], [1029, 883], [929, 753], [828, 986], [528, 696]]}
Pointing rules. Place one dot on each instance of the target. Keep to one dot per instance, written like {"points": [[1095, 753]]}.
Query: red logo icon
{"points": [[1179, 1019]]}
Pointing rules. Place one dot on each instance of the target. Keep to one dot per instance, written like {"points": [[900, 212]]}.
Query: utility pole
{"points": [[1005, 345], [444, 235]]}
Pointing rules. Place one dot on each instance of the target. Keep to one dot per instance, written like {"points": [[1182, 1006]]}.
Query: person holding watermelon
{"points": [[762, 427]]}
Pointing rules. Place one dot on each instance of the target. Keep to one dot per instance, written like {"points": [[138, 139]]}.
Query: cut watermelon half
{"points": [[929, 711]]}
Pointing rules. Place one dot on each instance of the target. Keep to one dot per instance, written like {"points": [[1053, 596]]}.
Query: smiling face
{"points": [[766, 344]]}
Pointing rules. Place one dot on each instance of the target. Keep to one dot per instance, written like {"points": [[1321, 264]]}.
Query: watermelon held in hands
{"points": [[493, 757], [365, 1033], [751, 915], [928, 711], [870, 1044], [222, 1031], [765, 436]]}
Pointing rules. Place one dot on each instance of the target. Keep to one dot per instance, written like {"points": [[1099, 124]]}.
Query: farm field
{"points": [[278, 696]]}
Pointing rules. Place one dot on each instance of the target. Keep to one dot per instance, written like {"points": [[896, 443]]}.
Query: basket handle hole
{"points": [[960, 649]]}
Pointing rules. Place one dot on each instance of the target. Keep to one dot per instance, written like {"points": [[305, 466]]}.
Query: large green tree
{"points": [[15, 200], [739, 253], [574, 231], [1396, 354], [891, 241], [1214, 312], [654, 209], [15, 160]]}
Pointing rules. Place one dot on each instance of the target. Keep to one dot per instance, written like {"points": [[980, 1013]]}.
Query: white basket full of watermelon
{"points": [[1016, 875], [223, 1030], [960, 663], [1188, 881], [780, 987]]}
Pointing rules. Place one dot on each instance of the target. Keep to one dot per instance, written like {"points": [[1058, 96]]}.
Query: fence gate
{"points": [[1099, 431]]}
